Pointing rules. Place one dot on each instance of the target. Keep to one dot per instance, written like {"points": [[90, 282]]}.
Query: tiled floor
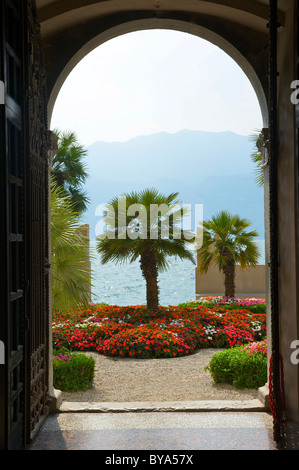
{"points": [[160, 431]]}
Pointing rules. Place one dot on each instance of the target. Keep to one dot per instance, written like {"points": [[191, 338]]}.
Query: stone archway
{"points": [[152, 24], [71, 28], [170, 25], [67, 27]]}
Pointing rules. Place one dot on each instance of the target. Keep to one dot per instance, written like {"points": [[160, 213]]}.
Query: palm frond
{"points": [[69, 169], [226, 235], [151, 232], [256, 158], [71, 276]]}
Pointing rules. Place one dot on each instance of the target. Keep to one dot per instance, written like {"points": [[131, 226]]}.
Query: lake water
{"points": [[124, 285]]}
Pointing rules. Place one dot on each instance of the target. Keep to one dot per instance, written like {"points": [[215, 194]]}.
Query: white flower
{"points": [[256, 326], [210, 330]]}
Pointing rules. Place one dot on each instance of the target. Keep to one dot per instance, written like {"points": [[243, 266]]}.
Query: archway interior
{"points": [[153, 89], [141, 85], [149, 81]]}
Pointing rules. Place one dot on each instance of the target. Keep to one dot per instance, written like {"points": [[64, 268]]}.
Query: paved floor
{"points": [[160, 431]]}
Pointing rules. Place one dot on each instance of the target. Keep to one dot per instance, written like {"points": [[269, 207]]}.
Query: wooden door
{"points": [[13, 321]]}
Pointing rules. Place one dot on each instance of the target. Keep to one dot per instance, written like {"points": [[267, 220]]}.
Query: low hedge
{"points": [[72, 372], [238, 367], [253, 308]]}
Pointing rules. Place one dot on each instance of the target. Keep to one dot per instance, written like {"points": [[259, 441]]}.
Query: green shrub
{"points": [[253, 308], [72, 372], [61, 351], [239, 368], [258, 308]]}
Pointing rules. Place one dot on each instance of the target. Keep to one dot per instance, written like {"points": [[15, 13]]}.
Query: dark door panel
{"points": [[24, 227]]}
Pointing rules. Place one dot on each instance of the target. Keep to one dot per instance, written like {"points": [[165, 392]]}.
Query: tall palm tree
{"points": [[71, 277], [150, 239], [69, 170], [226, 243]]}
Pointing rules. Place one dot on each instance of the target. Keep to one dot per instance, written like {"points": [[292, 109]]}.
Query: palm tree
{"points": [[226, 243], [68, 169], [71, 278], [257, 159], [150, 239]]}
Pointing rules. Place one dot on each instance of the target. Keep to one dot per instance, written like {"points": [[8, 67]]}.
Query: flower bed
{"points": [[231, 300], [173, 331], [258, 347]]}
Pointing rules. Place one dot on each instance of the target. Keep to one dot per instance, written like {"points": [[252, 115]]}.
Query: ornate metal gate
{"points": [[37, 195], [23, 234]]}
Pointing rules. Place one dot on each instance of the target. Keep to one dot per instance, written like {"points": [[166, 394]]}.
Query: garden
{"points": [[236, 326]]}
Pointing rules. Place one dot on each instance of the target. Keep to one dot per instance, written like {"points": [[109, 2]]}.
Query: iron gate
{"points": [[24, 253], [38, 246], [24, 222]]}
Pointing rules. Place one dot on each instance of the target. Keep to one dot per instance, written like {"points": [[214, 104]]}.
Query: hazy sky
{"points": [[151, 81]]}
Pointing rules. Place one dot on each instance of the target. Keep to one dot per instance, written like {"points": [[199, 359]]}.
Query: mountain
{"points": [[213, 169]]}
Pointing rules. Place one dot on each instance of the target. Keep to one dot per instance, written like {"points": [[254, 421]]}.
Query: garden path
{"points": [[141, 380]]}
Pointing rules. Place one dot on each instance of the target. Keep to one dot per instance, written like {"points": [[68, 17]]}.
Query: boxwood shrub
{"points": [[254, 308], [239, 368], [72, 372]]}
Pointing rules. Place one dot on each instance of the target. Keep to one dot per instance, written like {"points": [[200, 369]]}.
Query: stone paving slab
{"points": [[147, 431]]}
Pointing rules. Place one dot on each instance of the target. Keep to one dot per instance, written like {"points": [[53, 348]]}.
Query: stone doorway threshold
{"points": [[261, 403], [184, 406]]}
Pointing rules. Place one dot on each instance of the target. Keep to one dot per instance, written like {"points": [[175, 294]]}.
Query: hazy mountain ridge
{"points": [[213, 169]]}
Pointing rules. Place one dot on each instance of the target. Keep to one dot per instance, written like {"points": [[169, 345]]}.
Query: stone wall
{"points": [[249, 283]]}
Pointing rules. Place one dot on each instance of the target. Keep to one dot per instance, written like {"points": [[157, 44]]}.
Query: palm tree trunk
{"points": [[152, 297], [229, 278], [148, 265]]}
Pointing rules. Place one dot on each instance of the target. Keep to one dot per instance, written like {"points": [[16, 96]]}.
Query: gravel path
{"points": [[175, 379]]}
